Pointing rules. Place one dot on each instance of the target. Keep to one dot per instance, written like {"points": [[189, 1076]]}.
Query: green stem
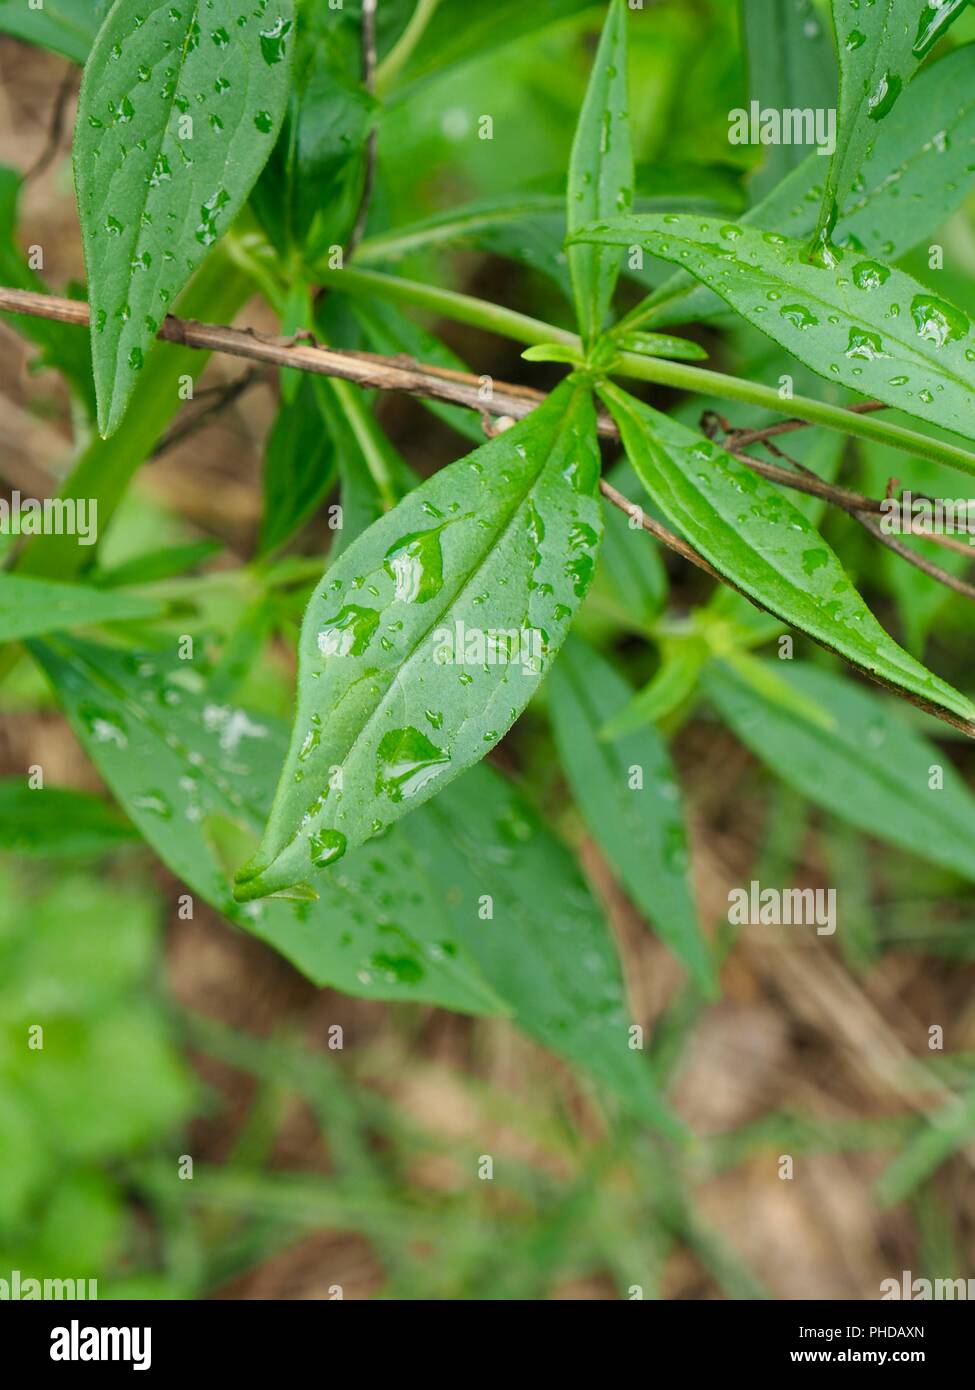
{"points": [[363, 425], [731, 388], [402, 51], [463, 308]]}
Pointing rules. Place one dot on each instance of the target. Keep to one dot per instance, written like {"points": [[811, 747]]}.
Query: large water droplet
{"points": [[349, 632], [326, 846], [407, 761], [936, 321], [415, 562]]}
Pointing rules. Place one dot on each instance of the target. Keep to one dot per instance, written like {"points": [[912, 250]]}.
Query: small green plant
{"points": [[221, 152]]}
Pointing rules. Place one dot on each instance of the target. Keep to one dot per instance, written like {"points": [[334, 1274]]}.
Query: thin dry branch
{"points": [[458, 388]]}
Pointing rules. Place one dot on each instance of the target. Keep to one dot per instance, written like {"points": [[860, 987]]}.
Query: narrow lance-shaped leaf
{"points": [[67, 27], [62, 346], [636, 822], [756, 538], [790, 66], [458, 33], [600, 172], [178, 113], [57, 822], [299, 467], [427, 638], [546, 948], [106, 466], [859, 760], [857, 321], [32, 606], [879, 45], [195, 774]]}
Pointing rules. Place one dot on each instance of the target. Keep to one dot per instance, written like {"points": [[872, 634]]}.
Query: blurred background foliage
{"points": [[317, 1168]]}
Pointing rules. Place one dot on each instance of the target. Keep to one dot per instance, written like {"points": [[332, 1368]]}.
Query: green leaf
{"points": [[639, 829], [299, 468], [545, 946], [373, 474], [756, 538], [67, 27], [32, 606], [790, 65], [631, 561], [879, 46], [178, 113], [308, 194], [942, 1134], [192, 773], [427, 638], [529, 226], [860, 761], [154, 565], [458, 33], [600, 173], [681, 661], [54, 822], [918, 174], [62, 346], [106, 467], [859, 322], [661, 345]]}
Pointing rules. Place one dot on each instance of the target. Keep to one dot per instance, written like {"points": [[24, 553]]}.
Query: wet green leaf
{"points": [[427, 638], [858, 322], [307, 196], [190, 771], [879, 46], [628, 792], [600, 173], [752, 534], [861, 760], [918, 174], [178, 113]]}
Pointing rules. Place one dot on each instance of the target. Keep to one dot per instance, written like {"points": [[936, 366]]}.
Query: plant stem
{"points": [[402, 51], [732, 388], [463, 308]]}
